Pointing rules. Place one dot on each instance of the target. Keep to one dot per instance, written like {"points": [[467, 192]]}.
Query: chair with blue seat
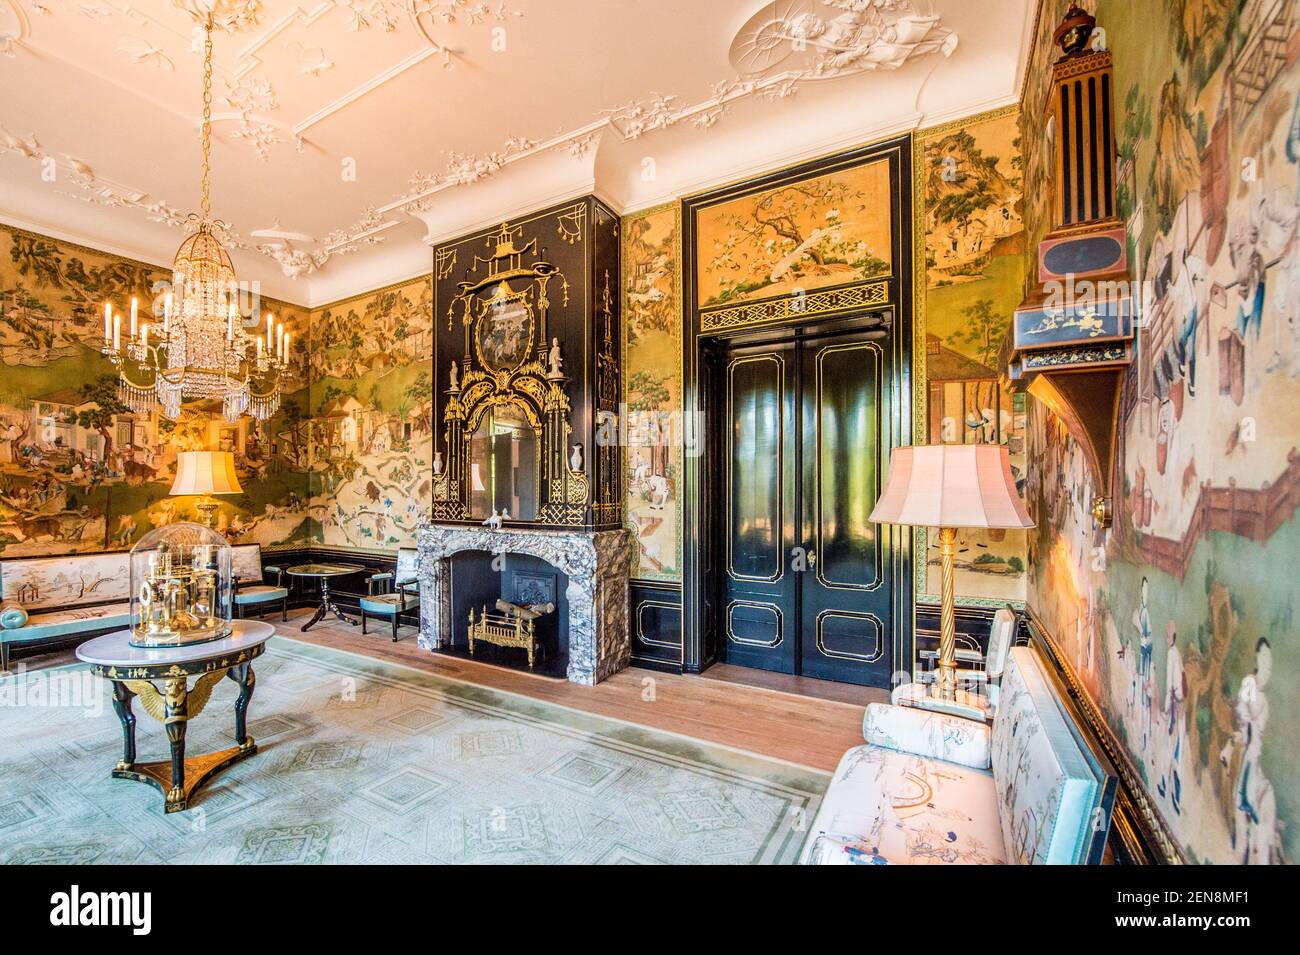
{"points": [[252, 592], [389, 595]]}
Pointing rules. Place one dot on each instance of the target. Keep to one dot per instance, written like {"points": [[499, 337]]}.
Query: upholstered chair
{"points": [[251, 590], [979, 675], [389, 595]]}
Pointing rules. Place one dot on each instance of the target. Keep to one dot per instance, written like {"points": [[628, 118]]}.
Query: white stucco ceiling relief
{"points": [[351, 134]]}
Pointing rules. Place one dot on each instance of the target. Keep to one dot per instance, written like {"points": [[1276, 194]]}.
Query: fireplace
{"points": [[591, 565]]}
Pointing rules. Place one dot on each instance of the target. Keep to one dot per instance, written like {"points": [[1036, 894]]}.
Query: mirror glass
{"points": [[504, 463]]}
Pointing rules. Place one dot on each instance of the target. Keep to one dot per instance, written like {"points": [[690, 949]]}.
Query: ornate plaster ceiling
{"points": [[349, 134]]}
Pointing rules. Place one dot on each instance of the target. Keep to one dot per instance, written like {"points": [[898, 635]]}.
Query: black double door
{"points": [[805, 577]]}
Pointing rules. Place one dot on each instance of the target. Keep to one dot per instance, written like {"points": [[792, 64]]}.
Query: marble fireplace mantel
{"points": [[597, 564]]}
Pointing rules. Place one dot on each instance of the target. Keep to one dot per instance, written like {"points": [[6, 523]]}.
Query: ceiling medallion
{"points": [[202, 350], [818, 39]]}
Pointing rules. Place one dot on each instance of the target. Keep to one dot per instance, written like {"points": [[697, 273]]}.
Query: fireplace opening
{"points": [[479, 579]]}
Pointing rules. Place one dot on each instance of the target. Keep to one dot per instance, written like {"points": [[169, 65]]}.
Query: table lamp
{"points": [[949, 486], [205, 473]]}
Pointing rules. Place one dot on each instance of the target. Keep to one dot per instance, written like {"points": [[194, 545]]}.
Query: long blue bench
{"points": [[45, 598]]}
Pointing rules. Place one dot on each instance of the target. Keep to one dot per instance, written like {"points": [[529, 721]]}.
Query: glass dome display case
{"points": [[181, 587]]}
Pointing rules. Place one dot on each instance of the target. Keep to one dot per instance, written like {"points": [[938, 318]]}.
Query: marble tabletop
{"points": [[114, 649]]}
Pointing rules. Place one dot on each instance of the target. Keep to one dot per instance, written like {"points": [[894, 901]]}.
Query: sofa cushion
{"points": [[12, 617], [885, 806], [385, 605], [927, 733], [259, 594], [1048, 785], [58, 623]]}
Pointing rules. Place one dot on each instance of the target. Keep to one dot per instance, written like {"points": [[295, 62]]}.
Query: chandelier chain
{"points": [[205, 201]]}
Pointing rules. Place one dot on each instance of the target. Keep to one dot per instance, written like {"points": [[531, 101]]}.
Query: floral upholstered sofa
{"points": [[932, 789]]}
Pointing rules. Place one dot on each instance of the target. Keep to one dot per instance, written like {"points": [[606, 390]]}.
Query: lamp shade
{"points": [[206, 472], [951, 485]]}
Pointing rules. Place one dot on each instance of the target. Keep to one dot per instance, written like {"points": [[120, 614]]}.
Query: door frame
{"points": [[701, 529]]}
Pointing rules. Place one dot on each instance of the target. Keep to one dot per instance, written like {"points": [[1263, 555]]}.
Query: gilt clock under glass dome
{"points": [[181, 587]]}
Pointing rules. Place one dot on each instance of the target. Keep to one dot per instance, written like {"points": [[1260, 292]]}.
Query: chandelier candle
{"points": [[199, 353]]}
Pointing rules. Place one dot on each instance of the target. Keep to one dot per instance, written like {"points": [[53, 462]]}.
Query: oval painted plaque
{"points": [[1094, 254]]}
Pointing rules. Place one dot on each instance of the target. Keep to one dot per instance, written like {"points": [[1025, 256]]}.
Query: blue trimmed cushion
{"points": [[12, 617], [58, 623], [385, 605], [260, 594]]}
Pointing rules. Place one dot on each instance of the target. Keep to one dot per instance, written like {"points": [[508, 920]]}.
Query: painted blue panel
{"points": [[1097, 253], [1076, 324]]}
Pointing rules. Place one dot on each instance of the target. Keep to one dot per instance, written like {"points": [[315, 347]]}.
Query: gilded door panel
{"points": [[756, 500], [846, 386], [845, 606], [758, 608]]}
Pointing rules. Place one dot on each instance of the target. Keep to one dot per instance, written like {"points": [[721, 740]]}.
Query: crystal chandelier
{"points": [[202, 350]]}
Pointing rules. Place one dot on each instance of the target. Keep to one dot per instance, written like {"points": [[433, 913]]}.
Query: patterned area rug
{"points": [[362, 761]]}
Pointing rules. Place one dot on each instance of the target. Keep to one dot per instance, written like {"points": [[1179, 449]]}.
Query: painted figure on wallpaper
{"points": [[370, 430], [1255, 810], [652, 387], [969, 173], [78, 471], [1202, 547], [1170, 785], [831, 230]]}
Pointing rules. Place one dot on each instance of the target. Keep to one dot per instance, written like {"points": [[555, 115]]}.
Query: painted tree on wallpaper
{"points": [[974, 243], [1180, 618], [369, 424], [830, 230], [652, 387], [78, 472]]}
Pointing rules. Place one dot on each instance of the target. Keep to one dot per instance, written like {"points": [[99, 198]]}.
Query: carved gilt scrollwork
{"points": [[508, 362]]}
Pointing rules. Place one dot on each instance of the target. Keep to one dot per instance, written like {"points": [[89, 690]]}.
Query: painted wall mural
{"points": [[1180, 618], [968, 194], [829, 230], [78, 473], [652, 386], [370, 427]]}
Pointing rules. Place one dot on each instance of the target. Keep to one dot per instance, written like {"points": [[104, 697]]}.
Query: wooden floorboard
{"points": [[858, 696], [772, 721]]}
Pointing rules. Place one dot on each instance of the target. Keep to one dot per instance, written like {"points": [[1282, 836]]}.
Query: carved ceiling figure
{"points": [[815, 39]]}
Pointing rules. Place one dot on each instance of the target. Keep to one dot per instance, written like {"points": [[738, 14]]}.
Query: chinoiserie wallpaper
{"points": [[652, 387], [797, 238], [968, 186], [78, 472], [1180, 620], [371, 413]]}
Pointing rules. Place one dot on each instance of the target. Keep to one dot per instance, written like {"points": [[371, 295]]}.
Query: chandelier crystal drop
{"points": [[202, 350]]}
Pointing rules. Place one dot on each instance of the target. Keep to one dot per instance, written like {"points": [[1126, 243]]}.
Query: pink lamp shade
{"points": [[951, 485], [206, 472]]}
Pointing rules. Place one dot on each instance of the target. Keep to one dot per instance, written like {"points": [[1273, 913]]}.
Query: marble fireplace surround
{"points": [[597, 564]]}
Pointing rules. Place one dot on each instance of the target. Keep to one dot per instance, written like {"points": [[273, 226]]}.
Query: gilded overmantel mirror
{"points": [[506, 413]]}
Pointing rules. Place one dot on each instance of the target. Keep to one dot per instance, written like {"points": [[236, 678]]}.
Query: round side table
{"points": [[133, 670], [323, 573]]}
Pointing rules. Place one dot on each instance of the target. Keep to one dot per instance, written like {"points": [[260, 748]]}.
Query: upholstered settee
{"points": [[43, 598], [933, 789]]}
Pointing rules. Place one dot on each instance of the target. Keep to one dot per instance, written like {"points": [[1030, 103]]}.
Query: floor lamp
{"points": [[950, 486], [205, 473]]}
